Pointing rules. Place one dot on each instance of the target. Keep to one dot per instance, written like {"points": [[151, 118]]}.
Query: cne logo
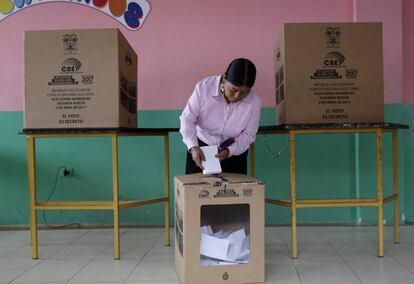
{"points": [[334, 58], [70, 65], [70, 42]]}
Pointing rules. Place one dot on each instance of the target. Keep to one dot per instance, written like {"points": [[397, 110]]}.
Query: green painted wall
{"points": [[368, 177], [325, 169]]}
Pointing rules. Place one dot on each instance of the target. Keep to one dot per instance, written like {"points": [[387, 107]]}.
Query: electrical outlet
{"points": [[66, 172]]}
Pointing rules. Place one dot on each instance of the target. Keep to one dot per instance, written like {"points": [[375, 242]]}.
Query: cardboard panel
{"points": [[74, 78], [193, 195], [332, 73]]}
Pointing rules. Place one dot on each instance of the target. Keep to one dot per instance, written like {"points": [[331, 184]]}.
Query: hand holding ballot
{"points": [[211, 163], [197, 156], [208, 158], [221, 153]]}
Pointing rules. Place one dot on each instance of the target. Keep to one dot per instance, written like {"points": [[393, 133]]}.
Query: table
{"points": [[378, 129], [115, 204], [292, 130]]}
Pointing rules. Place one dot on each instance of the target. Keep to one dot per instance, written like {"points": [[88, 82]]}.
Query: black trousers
{"points": [[234, 164]]}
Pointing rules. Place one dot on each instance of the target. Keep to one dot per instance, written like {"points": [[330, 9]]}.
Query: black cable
{"points": [[268, 150], [49, 197]]}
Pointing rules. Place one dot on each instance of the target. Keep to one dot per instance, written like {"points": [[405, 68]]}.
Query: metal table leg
{"points": [[166, 191], [395, 184], [115, 194], [293, 192], [31, 164], [380, 194]]}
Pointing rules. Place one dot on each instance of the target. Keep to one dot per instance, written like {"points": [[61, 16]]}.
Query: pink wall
{"points": [[390, 13], [182, 41], [408, 6]]}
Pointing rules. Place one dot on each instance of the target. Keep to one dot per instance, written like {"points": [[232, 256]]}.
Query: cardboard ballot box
{"points": [[219, 225], [329, 73], [79, 79]]}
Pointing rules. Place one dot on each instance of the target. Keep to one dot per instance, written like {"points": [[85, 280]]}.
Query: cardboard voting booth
{"points": [[329, 73], [79, 79], [219, 225]]}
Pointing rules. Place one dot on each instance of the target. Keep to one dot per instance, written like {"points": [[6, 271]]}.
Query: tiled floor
{"points": [[326, 255]]}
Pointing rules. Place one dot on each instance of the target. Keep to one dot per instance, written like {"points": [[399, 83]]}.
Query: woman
{"points": [[224, 111]]}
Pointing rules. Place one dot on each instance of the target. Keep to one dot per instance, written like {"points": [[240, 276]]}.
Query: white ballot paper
{"points": [[223, 248], [214, 247], [211, 164]]}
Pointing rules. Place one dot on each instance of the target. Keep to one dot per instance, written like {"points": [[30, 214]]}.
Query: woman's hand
{"points": [[223, 154], [198, 156]]}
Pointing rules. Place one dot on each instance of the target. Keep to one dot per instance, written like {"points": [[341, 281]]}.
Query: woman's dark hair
{"points": [[241, 71]]}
